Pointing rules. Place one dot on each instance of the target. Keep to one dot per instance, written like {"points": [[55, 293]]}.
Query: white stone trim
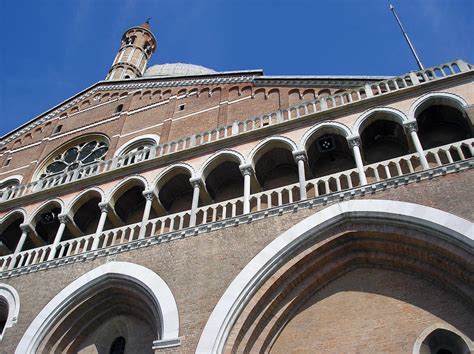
{"points": [[19, 178], [146, 278], [176, 166], [395, 114], [32, 216], [99, 190], [111, 194], [121, 149], [344, 130], [426, 332], [212, 161], [455, 100], [9, 293], [241, 289], [266, 144]]}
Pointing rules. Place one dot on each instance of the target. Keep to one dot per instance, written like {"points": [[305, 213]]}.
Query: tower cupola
{"points": [[137, 47]]}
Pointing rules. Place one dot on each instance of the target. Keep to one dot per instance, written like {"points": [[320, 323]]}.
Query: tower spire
{"points": [[137, 47]]}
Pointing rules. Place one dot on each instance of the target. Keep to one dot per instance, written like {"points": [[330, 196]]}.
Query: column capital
{"points": [[26, 227], [63, 218], [411, 126], [195, 181], [353, 141], [104, 207], [246, 170], [299, 155], [148, 194]]}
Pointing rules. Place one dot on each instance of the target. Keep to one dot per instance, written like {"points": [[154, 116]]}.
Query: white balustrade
{"points": [[217, 212], [236, 128]]}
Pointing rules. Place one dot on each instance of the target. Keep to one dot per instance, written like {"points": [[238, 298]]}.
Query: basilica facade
{"points": [[174, 208]]}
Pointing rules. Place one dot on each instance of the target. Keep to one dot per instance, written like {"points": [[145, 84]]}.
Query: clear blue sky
{"points": [[53, 49]]}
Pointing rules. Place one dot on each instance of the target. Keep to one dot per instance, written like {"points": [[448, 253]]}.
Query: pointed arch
{"points": [[216, 158], [445, 98], [149, 285], [163, 175], [126, 183], [333, 127], [267, 144], [72, 205], [442, 227], [9, 306], [389, 113]]}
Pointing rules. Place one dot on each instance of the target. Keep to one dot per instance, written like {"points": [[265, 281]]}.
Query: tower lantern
{"points": [[137, 47]]}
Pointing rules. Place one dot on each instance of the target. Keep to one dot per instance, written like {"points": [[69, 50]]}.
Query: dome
{"points": [[177, 69]]}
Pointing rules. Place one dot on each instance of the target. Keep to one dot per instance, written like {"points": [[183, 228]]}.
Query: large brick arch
{"points": [[145, 281], [379, 234]]}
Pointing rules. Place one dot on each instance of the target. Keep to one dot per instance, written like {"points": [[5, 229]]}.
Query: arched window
{"points": [[120, 106], [9, 307], [118, 346], [443, 341], [75, 156], [5, 187], [3, 314]]}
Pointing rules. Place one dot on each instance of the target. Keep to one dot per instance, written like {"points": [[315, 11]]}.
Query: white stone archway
{"points": [[12, 301], [148, 280], [264, 264]]}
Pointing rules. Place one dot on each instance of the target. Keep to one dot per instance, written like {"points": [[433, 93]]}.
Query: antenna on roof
{"points": [[418, 61]]}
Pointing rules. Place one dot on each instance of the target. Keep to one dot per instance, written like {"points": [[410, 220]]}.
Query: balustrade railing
{"points": [[241, 127], [265, 200]]}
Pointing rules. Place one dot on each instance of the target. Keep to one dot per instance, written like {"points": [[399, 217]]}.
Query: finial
{"points": [[148, 20]]}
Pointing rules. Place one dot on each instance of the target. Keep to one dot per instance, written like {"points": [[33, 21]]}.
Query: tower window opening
{"points": [[119, 108], [127, 76], [118, 346], [7, 161], [58, 129], [181, 107]]}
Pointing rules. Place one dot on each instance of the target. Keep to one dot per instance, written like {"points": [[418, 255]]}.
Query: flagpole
{"points": [[418, 61]]}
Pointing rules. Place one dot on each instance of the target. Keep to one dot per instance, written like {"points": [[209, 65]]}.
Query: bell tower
{"points": [[138, 45]]}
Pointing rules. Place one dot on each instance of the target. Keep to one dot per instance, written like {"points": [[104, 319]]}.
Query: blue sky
{"points": [[54, 49]]}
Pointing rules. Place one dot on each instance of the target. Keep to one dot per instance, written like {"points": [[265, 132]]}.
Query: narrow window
{"points": [[119, 108], [58, 129], [181, 107], [118, 346], [7, 161]]}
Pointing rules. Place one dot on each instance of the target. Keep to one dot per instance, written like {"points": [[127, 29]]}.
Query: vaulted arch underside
{"points": [[362, 275], [356, 288]]}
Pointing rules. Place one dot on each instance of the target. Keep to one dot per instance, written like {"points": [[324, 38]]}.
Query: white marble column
{"points": [[104, 209], [247, 172], [412, 128], [354, 143], [300, 158], [149, 195], [63, 220], [196, 183], [25, 228]]}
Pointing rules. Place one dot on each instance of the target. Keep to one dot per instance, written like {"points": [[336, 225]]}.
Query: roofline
{"points": [[258, 72]]}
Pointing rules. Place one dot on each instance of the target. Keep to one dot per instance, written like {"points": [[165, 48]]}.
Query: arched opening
{"points": [[6, 188], [275, 166], [117, 299], [118, 346], [175, 190], [442, 124], [347, 276], [442, 341], [46, 223], [223, 179], [328, 152], [130, 203], [3, 314], [10, 233], [86, 212], [382, 138]]}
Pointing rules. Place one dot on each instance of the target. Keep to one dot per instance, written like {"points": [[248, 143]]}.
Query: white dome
{"points": [[177, 69]]}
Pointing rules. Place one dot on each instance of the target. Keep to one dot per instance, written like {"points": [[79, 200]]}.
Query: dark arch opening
{"points": [[118, 346], [440, 125], [3, 313], [442, 341], [383, 140], [225, 182], [276, 168], [10, 235], [177, 193], [130, 205], [329, 154], [87, 216]]}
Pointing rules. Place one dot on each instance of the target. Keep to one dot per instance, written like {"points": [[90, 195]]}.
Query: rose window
{"points": [[77, 156]]}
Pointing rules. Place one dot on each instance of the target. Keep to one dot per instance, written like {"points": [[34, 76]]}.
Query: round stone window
{"points": [[76, 156]]}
